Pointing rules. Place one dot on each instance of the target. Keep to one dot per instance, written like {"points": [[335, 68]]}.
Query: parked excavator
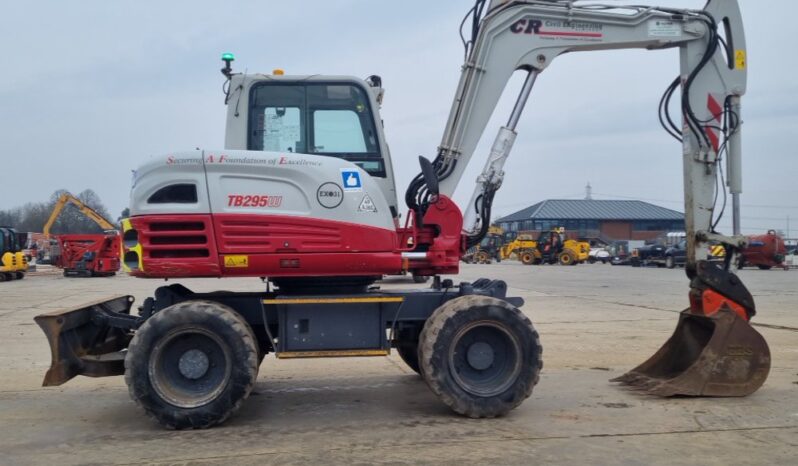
{"points": [[84, 255], [303, 193]]}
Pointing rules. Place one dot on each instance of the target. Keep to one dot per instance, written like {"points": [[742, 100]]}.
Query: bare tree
{"points": [[33, 216]]}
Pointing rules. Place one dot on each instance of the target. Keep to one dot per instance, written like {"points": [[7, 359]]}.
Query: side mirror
{"points": [[428, 172]]}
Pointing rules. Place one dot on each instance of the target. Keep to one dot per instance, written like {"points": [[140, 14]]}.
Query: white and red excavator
{"points": [[303, 194]]}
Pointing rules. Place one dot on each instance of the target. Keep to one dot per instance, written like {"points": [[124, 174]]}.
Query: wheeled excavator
{"points": [[303, 194]]}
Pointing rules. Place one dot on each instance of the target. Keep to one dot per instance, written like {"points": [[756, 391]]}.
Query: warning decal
{"points": [[739, 59], [367, 205], [231, 262]]}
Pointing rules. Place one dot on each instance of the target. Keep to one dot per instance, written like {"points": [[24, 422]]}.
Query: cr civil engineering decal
{"points": [[557, 29]]}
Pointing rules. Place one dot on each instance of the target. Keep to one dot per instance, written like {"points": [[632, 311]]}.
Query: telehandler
{"points": [[303, 193]]}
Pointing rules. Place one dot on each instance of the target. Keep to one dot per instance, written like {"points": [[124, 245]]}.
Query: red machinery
{"points": [[763, 251], [94, 255], [84, 255]]}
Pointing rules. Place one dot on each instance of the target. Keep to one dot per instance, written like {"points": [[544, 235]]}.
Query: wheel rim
{"points": [[190, 367], [485, 358], [526, 258], [565, 259]]}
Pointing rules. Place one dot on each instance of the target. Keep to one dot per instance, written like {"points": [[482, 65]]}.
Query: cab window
{"points": [[330, 119]]}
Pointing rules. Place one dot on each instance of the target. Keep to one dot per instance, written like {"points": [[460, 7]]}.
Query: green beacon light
{"points": [[227, 58]]}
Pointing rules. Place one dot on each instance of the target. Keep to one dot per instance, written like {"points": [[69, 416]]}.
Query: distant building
{"points": [[590, 218]]}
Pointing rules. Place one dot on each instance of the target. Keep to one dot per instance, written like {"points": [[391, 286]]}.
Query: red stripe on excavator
{"points": [[570, 34], [713, 137], [714, 108]]}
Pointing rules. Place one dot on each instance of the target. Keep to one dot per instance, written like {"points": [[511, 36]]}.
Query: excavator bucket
{"points": [[716, 355], [87, 340]]}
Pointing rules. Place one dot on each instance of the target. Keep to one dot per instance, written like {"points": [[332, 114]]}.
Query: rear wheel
{"points": [[669, 262], [192, 364], [483, 257], [480, 355]]}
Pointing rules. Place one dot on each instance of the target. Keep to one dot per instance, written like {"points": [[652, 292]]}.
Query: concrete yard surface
{"points": [[595, 322]]}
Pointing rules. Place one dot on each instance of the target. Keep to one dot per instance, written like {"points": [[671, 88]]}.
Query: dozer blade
{"points": [[717, 355], [88, 340]]}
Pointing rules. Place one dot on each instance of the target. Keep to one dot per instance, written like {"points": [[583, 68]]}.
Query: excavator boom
{"points": [[92, 214], [528, 36]]}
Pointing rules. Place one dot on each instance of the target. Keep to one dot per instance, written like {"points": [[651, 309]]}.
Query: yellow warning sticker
{"points": [[231, 262], [739, 59]]}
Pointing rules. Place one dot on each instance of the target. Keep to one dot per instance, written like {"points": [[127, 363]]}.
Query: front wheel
{"points": [[191, 365], [527, 258], [480, 355], [567, 258], [669, 262]]}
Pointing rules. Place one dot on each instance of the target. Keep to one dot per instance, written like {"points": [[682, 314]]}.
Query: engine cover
{"points": [[217, 213]]}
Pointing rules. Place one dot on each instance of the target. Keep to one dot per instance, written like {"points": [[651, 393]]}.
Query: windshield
{"points": [[315, 118]]}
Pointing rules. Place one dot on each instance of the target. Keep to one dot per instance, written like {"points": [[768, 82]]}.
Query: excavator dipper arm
{"points": [[528, 36]]}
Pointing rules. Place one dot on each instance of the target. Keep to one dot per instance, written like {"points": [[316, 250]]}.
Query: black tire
{"points": [[420, 279], [198, 336], [567, 258], [669, 262], [408, 351], [498, 369], [764, 267], [591, 260], [527, 258]]}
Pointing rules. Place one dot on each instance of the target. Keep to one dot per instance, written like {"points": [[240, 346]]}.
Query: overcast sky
{"points": [[90, 89]]}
